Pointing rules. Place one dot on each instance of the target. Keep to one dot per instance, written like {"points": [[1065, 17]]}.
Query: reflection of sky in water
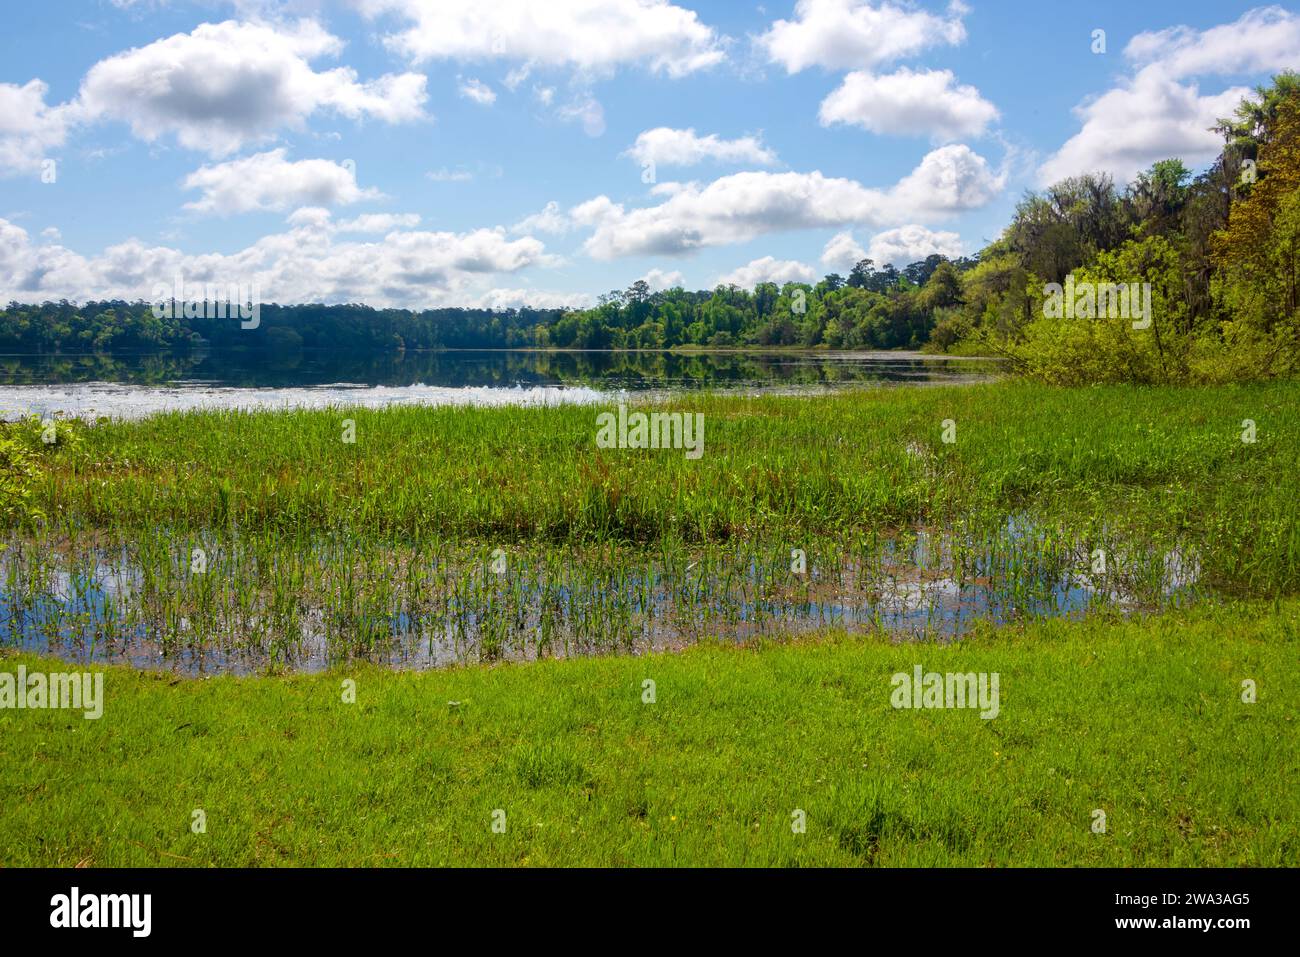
{"points": [[126, 401], [139, 386], [915, 590]]}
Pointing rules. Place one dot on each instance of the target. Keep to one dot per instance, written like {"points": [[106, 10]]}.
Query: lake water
{"points": [[133, 386]]}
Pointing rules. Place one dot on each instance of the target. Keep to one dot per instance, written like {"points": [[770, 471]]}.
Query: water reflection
{"points": [[439, 604], [634, 371]]}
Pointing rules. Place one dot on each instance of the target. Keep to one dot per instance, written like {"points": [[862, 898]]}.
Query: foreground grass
{"points": [[1141, 719]]}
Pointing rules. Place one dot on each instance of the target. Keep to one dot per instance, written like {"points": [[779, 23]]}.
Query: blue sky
{"points": [[420, 153]]}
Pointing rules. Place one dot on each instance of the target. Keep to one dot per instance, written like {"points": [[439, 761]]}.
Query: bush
{"points": [[23, 447]]}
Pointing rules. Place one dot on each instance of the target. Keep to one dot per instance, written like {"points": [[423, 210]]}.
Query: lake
{"points": [[134, 386]]}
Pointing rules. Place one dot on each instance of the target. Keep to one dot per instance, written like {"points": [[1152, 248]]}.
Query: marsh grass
{"points": [[319, 551]]}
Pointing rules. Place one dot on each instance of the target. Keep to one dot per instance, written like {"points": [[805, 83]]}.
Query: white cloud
{"points": [[29, 129], [1152, 117], [379, 222], [901, 246], [948, 181], [478, 91], [545, 94], [664, 146], [659, 279], [1154, 114], [227, 84], [1263, 40], [842, 251], [268, 181], [767, 269], [909, 103], [909, 244], [857, 34], [595, 211], [532, 298], [591, 35], [549, 220], [738, 207], [307, 262]]}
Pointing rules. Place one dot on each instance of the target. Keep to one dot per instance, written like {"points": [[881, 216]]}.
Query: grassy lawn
{"points": [[1143, 720]]}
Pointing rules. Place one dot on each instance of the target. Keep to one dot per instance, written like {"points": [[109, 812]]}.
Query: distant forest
{"points": [[635, 318], [1220, 253]]}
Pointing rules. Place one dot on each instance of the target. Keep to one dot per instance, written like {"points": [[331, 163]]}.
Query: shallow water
{"points": [[253, 609], [135, 386]]}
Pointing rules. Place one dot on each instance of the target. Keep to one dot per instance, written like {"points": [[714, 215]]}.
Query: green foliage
{"points": [[1220, 251], [1077, 351], [25, 448]]}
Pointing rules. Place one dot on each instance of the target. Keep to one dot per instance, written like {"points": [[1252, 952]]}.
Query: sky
{"points": [[425, 153]]}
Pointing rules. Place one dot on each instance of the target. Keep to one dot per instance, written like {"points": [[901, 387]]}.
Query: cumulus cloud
{"points": [[659, 279], [29, 129], [1159, 111], [227, 84], [857, 34], [909, 103], [908, 244], [664, 146], [901, 246], [478, 91], [738, 207], [548, 220], [1263, 40], [767, 269], [842, 251], [591, 35], [268, 181], [948, 181], [308, 262], [530, 298]]}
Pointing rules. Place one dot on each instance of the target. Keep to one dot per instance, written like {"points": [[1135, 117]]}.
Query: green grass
{"points": [[1142, 719], [389, 539], [1168, 459]]}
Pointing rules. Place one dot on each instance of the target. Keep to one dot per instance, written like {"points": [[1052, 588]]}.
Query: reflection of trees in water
{"points": [[625, 370], [137, 370]]}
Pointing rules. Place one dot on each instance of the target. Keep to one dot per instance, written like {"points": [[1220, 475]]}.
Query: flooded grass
{"points": [[215, 541], [203, 604]]}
